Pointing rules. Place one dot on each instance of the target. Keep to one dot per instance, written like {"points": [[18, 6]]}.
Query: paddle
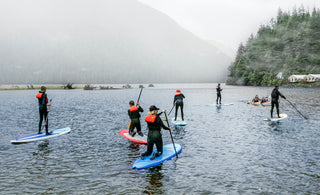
{"points": [[166, 118], [136, 103], [171, 136], [297, 109]]}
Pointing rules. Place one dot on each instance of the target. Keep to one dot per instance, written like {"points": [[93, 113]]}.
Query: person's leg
{"points": [[45, 114], [181, 108], [40, 121], [272, 106], [138, 126], [159, 145], [176, 113], [277, 107]]}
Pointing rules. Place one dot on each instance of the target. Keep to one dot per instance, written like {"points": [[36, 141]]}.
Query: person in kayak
{"points": [[178, 102], [134, 114], [218, 88], [154, 135], [43, 110], [274, 100]]}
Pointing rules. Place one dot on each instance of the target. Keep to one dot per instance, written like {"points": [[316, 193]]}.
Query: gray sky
{"points": [[228, 22]]}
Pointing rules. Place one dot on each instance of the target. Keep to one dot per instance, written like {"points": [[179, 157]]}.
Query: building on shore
{"points": [[296, 78], [313, 77]]}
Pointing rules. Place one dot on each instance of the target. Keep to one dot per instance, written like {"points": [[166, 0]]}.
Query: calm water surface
{"points": [[226, 150]]}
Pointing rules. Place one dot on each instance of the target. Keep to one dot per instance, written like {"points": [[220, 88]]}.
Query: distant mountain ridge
{"points": [[113, 41]]}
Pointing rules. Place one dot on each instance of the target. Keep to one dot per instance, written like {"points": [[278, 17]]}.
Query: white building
{"points": [[313, 77], [296, 78]]}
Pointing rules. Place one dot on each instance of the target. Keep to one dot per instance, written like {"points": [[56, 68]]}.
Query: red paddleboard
{"points": [[136, 139]]}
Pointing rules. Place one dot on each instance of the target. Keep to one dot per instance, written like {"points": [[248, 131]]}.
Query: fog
{"points": [[100, 41]]}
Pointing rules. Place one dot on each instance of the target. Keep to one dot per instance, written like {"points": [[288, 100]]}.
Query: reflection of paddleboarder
{"points": [[274, 101], [218, 94], [43, 110]]}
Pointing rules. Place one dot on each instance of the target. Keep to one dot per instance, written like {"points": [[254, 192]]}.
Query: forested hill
{"points": [[289, 44]]}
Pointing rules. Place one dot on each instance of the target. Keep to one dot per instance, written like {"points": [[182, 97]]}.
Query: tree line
{"points": [[289, 44]]}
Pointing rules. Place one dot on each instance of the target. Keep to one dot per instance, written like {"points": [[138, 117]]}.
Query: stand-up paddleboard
{"points": [[168, 153], [137, 138], [228, 104], [276, 118], [266, 103], [254, 103], [178, 122], [42, 136]]}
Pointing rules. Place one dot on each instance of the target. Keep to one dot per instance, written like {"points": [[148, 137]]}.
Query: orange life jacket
{"points": [[39, 96], [133, 108], [150, 118], [177, 94]]}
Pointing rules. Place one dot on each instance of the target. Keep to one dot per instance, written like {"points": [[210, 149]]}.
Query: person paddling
{"points": [[178, 101], [43, 110], [154, 135], [134, 114], [274, 101], [218, 88]]}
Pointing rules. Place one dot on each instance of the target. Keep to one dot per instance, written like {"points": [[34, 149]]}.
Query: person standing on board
{"points": [[134, 115], [218, 94], [178, 101], [43, 110], [154, 135], [274, 101]]}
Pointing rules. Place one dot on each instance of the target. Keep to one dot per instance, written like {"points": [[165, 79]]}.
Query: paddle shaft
{"points": [[169, 113], [139, 95], [297, 109], [171, 136]]}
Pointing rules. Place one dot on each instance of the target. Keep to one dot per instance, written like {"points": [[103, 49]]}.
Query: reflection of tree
{"points": [[154, 178]]}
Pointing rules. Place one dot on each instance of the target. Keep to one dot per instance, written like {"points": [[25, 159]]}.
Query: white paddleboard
{"points": [[178, 122], [276, 118], [42, 136]]}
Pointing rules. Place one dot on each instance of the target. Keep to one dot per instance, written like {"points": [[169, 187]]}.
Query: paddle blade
{"points": [[129, 124], [165, 119]]}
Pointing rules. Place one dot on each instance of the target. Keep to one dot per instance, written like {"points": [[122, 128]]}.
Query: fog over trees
{"points": [[101, 41]]}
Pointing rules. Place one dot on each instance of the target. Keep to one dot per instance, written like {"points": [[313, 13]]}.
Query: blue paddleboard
{"points": [[42, 136], [178, 122], [168, 153]]}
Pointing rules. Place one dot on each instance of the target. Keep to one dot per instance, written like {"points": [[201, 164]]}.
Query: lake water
{"points": [[226, 150]]}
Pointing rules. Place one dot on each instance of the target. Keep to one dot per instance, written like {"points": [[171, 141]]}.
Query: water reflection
{"points": [[154, 178]]}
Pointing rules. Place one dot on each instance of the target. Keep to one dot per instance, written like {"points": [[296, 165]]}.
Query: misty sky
{"points": [[227, 22]]}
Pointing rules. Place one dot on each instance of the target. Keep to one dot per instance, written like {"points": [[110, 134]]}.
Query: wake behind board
{"points": [[275, 118], [178, 122], [137, 138], [43, 136], [168, 153]]}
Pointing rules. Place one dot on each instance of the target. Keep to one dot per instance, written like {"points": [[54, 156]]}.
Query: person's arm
{"points": [[282, 95], [162, 125]]}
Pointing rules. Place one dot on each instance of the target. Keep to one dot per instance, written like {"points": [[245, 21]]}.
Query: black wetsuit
{"points": [[178, 100], [135, 120], [218, 95], [43, 111], [274, 101], [155, 137]]}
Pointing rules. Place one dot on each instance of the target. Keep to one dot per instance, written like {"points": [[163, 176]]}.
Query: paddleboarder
{"points": [[154, 135], [134, 114], [43, 110], [178, 101], [274, 100], [218, 88]]}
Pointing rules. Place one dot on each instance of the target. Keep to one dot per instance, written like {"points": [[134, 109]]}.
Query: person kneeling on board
{"points": [[274, 99], [134, 115], [154, 135], [43, 110]]}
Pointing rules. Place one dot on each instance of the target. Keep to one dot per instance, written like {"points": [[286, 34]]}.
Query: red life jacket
{"points": [[177, 94], [39, 96], [150, 118], [133, 108]]}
